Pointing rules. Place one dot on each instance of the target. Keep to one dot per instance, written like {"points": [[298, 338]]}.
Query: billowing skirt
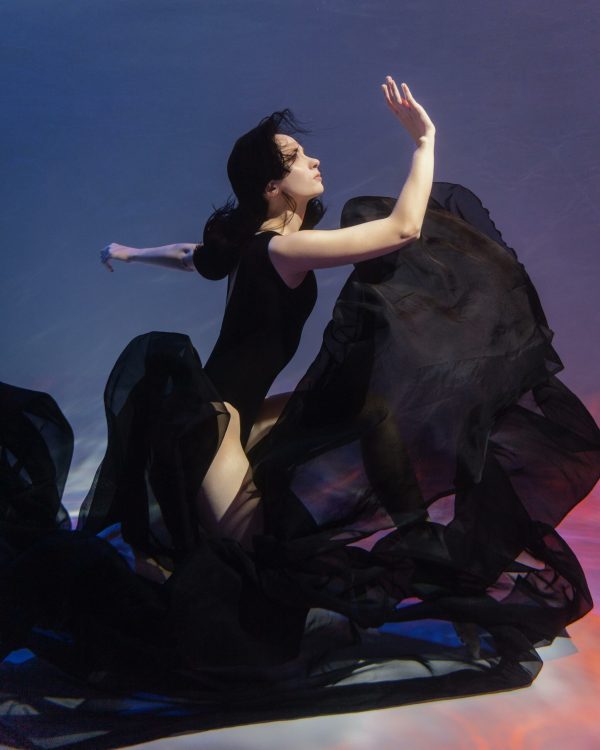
{"points": [[410, 489]]}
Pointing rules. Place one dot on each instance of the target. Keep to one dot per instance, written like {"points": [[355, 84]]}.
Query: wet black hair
{"points": [[254, 161]]}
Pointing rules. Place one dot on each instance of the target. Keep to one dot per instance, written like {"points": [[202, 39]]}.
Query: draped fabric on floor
{"points": [[411, 491]]}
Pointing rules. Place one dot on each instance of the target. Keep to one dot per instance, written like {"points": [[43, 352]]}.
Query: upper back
{"points": [[258, 299], [261, 328]]}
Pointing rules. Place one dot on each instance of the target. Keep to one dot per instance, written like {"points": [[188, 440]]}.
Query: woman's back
{"points": [[260, 332]]}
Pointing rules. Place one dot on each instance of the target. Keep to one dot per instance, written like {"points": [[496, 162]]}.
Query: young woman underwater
{"points": [[272, 292], [319, 545]]}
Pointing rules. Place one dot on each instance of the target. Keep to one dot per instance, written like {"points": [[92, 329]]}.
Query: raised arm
{"points": [[178, 256], [299, 252]]}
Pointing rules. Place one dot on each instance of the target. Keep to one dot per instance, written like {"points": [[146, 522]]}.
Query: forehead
{"points": [[286, 142]]}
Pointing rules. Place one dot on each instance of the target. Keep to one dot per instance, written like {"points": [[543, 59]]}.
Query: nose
{"points": [[315, 161]]}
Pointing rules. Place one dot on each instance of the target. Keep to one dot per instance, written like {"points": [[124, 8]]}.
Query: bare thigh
{"points": [[269, 414], [228, 502]]}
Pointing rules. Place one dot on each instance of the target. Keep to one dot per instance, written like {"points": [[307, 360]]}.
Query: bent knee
{"points": [[234, 424], [233, 412]]}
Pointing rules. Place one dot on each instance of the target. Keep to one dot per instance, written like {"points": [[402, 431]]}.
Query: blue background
{"points": [[118, 117]]}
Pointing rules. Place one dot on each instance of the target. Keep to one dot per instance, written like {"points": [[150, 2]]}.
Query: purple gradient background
{"points": [[118, 116]]}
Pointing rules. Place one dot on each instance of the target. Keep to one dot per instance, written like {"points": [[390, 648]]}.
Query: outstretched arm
{"points": [[299, 252], [178, 256]]}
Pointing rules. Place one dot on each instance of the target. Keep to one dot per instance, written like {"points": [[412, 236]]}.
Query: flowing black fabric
{"points": [[411, 490], [36, 447]]}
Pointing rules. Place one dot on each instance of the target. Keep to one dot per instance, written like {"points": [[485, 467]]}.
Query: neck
{"points": [[286, 222]]}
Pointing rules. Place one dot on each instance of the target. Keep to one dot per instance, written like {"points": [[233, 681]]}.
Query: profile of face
{"points": [[303, 181]]}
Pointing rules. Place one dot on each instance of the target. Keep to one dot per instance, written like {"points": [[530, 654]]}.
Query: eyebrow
{"points": [[294, 151]]}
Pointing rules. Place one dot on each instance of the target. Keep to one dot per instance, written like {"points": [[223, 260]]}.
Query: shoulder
{"points": [[259, 250]]}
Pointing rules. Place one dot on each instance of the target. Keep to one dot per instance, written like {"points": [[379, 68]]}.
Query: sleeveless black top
{"points": [[260, 332]]}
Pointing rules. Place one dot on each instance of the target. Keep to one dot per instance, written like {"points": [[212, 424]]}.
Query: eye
{"points": [[290, 158]]}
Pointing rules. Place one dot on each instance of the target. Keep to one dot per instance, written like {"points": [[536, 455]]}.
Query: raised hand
{"points": [[411, 114], [114, 252]]}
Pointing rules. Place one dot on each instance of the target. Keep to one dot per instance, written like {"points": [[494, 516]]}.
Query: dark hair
{"points": [[254, 160]]}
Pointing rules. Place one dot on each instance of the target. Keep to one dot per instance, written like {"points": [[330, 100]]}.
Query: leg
{"points": [[388, 466], [228, 502], [268, 415]]}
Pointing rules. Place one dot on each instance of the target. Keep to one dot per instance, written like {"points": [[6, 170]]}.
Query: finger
{"points": [[394, 93], [388, 99], [386, 94], [408, 94], [396, 103], [413, 102], [403, 102]]}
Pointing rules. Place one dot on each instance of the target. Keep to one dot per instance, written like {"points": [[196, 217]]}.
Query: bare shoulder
{"points": [[290, 276]]}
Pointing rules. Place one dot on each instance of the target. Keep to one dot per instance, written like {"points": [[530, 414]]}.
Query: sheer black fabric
{"points": [[411, 490], [36, 447]]}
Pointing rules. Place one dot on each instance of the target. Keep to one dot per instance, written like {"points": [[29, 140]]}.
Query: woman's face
{"points": [[303, 180]]}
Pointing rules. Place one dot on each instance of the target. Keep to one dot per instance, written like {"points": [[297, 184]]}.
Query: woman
{"points": [[272, 285], [413, 479]]}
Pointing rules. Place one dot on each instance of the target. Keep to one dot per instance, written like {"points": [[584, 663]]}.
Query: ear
{"points": [[272, 190]]}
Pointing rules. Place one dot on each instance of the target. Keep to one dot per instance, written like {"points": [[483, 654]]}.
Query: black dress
{"points": [[412, 484]]}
